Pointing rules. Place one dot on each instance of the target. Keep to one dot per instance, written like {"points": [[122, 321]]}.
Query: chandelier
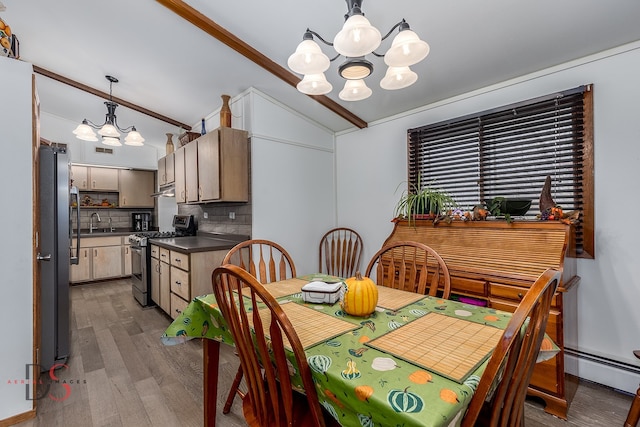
{"points": [[357, 39], [109, 129]]}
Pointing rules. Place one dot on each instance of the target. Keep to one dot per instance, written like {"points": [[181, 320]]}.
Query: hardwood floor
{"points": [[119, 374]]}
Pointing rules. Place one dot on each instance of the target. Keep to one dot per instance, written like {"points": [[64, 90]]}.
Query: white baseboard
{"points": [[611, 373]]}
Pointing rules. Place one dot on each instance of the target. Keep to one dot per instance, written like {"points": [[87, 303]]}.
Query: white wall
{"points": [[16, 255], [372, 162], [292, 180]]}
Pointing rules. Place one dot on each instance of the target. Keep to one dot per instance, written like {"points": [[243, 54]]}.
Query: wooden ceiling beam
{"points": [[105, 95], [210, 27]]}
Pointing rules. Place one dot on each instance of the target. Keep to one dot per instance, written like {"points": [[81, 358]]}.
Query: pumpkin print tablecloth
{"points": [[360, 385]]}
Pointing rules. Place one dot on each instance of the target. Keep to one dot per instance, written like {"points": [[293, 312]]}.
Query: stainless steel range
{"points": [[141, 255]]}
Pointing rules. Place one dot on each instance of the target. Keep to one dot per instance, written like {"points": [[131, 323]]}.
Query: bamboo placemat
{"points": [[285, 287], [395, 299], [312, 326], [448, 346]]}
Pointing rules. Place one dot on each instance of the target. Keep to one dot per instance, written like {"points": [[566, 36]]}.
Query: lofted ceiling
{"points": [[173, 68]]}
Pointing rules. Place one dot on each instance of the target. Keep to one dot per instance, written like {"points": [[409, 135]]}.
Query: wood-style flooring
{"points": [[121, 375]]}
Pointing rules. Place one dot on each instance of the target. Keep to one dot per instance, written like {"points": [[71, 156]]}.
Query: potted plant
{"points": [[425, 202]]}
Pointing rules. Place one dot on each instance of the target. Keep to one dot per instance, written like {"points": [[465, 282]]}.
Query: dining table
{"points": [[415, 361]]}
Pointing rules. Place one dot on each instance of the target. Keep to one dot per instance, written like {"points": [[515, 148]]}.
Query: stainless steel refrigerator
{"points": [[56, 253]]}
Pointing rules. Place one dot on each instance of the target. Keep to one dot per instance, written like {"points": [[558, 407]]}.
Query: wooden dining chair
{"points": [[340, 252], [499, 399], [634, 412], [268, 262], [270, 399], [411, 266]]}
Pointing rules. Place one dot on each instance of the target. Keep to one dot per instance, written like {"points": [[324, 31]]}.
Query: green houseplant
{"points": [[428, 200]]}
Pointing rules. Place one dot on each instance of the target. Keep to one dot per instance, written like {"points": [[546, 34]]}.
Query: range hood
{"points": [[168, 191]]}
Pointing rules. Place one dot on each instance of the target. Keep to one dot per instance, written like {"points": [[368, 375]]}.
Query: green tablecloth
{"points": [[361, 386]]}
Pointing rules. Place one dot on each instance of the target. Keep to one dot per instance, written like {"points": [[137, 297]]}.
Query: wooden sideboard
{"points": [[497, 262]]}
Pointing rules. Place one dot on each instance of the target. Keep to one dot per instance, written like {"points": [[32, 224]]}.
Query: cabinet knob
{"points": [[179, 283], [520, 295], [178, 260]]}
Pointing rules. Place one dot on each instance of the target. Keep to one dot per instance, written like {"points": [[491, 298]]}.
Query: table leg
{"points": [[210, 360]]}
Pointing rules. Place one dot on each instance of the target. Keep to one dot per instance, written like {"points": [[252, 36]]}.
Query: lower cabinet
{"points": [[178, 277], [99, 258], [160, 276]]}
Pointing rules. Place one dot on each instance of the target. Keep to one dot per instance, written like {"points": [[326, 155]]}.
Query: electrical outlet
{"points": [[232, 215], [205, 215]]}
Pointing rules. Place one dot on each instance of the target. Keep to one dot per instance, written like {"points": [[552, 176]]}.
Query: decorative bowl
{"points": [[515, 206]]}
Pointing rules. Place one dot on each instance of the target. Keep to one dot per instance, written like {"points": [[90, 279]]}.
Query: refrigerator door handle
{"points": [[40, 257], [74, 259]]}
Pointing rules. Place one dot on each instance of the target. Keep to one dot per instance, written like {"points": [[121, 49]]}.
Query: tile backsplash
{"points": [[218, 217]]}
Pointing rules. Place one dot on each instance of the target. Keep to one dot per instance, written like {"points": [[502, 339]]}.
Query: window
{"points": [[509, 151]]}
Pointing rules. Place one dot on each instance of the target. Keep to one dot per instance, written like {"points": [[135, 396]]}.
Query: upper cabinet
{"points": [[136, 187], [223, 166], [166, 170], [213, 168], [180, 185], [90, 178]]}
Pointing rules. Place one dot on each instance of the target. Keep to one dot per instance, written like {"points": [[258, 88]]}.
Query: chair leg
{"points": [[634, 412], [233, 391]]}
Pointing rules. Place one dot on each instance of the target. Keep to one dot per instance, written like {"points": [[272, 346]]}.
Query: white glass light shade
{"points": [[85, 133], [308, 59], [355, 90], [115, 142], [357, 37], [109, 130], [134, 138], [406, 49], [398, 78], [314, 84]]}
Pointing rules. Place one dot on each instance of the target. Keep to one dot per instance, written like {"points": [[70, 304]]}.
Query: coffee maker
{"points": [[141, 221]]}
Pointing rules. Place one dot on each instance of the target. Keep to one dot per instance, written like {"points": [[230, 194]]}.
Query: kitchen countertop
{"points": [[201, 243]]}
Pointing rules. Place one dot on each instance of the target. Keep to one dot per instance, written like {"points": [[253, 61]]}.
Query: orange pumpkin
{"points": [[364, 392], [361, 296], [420, 377], [449, 396]]}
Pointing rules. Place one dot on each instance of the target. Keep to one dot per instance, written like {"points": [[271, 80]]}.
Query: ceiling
{"points": [[167, 65]]}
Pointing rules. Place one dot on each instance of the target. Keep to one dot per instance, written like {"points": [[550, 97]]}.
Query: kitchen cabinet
{"points": [[81, 272], [213, 168], [191, 172], [126, 259], [160, 278], [191, 276], [107, 262], [223, 166], [179, 177], [155, 280], [166, 170], [136, 187], [101, 257], [90, 178]]}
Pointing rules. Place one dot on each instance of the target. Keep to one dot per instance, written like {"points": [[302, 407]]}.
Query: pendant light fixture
{"points": [[109, 130], [357, 39]]}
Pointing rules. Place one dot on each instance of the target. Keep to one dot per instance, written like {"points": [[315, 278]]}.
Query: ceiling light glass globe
{"points": [[355, 90], [308, 59], [406, 49], [357, 37]]}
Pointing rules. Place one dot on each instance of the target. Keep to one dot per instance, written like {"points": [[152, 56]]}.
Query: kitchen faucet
{"points": [[111, 229], [91, 221]]}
